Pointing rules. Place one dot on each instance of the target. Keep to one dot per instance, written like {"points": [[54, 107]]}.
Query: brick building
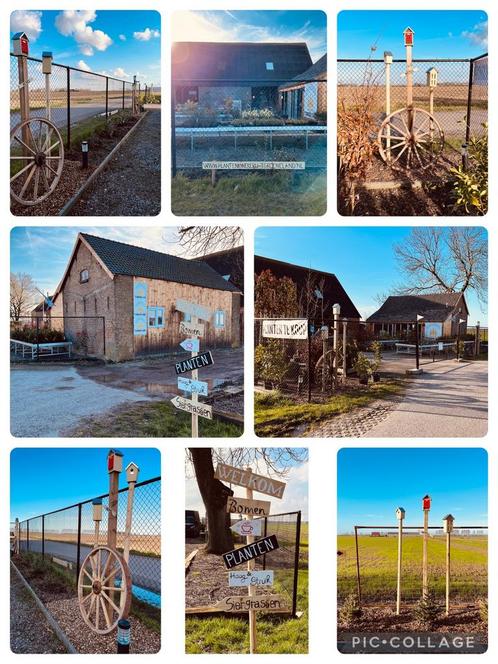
{"points": [[119, 301]]}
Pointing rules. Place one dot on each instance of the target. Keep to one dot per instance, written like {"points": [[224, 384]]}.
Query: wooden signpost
{"points": [[426, 506], [248, 479], [254, 548], [248, 507], [197, 361], [448, 528]]}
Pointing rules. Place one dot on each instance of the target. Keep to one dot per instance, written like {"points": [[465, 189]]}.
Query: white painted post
{"points": [[408, 35], [448, 528], [132, 471], [388, 58], [195, 396], [426, 508], [251, 590], [22, 67], [337, 312], [97, 518], [400, 514], [344, 349]]}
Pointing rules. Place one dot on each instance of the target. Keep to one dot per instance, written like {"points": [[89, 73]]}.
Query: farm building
{"points": [[306, 95], [235, 76], [327, 285], [120, 300], [441, 313]]}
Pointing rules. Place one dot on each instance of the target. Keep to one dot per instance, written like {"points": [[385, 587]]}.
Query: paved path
{"points": [[447, 400], [130, 185]]}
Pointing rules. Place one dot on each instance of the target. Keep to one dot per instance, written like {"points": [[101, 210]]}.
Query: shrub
{"points": [[270, 363], [30, 335], [350, 612], [483, 610], [428, 611], [362, 366], [471, 186], [376, 349]]}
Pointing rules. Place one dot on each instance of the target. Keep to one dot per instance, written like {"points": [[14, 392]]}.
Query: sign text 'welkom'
{"points": [[249, 480]]}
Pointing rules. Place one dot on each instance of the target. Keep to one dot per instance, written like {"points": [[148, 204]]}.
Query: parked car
{"points": [[193, 524]]}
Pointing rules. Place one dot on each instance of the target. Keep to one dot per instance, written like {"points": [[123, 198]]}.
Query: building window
{"points": [[269, 66], [84, 306], [187, 93], [84, 276], [219, 319], [155, 317], [108, 303], [187, 318], [95, 304]]}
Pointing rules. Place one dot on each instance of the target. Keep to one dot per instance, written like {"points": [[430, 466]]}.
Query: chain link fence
{"points": [[245, 127], [75, 95], [370, 570], [460, 100], [48, 337], [66, 536]]}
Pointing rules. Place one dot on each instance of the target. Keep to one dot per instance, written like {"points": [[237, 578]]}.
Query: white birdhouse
{"points": [[114, 461], [432, 77], [132, 471], [97, 509], [388, 57], [47, 62], [20, 43], [400, 513], [448, 523], [336, 309]]}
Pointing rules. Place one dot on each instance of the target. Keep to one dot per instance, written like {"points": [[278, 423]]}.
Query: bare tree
{"points": [[201, 240], [311, 298], [23, 295], [268, 460], [448, 260]]}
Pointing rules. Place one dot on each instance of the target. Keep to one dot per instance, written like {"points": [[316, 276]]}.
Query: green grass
{"points": [[153, 420], [378, 560], [252, 194], [277, 415]]}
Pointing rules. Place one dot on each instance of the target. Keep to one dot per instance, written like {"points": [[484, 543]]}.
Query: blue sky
{"points": [[262, 26], [361, 257], [372, 483], [438, 34], [117, 43], [43, 252], [45, 479]]}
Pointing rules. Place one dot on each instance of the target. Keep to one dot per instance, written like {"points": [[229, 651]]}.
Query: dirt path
{"points": [[130, 185], [29, 631]]}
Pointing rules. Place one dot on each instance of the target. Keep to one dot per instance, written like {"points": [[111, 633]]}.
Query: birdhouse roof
{"points": [[18, 35], [132, 464], [47, 54], [97, 501], [432, 69], [116, 452], [448, 516], [426, 496], [408, 29]]}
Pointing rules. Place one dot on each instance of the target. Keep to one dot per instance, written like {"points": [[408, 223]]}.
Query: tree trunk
{"points": [[214, 496]]}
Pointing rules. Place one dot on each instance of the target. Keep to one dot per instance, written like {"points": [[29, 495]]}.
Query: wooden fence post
{"points": [[426, 507], [251, 590], [400, 514], [344, 349], [22, 68], [114, 467], [358, 578], [195, 395], [448, 528]]}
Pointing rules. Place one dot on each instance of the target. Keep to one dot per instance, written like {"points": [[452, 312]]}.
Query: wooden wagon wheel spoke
{"points": [[399, 155], [87, 597], [19, 173], [37, 181], [110, 575], [53, 146], [25, 145], [417, 155], [51, 169], [86, 572], [28, 180], [105, 612], [396, 128], [108, 599]]}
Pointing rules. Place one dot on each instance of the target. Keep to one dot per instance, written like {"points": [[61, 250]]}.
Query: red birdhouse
{"points": [[20, 43], [426, 500], [408, 35], [114, 461]]}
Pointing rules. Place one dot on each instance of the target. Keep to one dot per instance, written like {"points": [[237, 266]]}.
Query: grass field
{"points": [[225, 634], [378, 560], [147, 545], [278, 415]]}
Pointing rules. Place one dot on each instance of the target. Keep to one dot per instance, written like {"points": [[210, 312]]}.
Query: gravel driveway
{"points": [[130, 185], [29, 631], [45, 401]]}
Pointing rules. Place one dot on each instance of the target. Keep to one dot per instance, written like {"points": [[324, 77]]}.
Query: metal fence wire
{"points": [[40, 337], [66, 536], [460, 96], [242, 125], [371, 572], [76, 95]]}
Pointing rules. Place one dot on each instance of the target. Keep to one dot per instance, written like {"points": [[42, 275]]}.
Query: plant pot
{"points": [[363, 380], [375, 377]]}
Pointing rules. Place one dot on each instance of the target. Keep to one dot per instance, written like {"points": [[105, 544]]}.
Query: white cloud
{"points": [[122, 37], [147, 34], [72, 23], [81, 64], [478, 35], [119, 72], [26, 21]]}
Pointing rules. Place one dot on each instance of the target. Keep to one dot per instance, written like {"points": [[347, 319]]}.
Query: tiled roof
{"points": [[238, 62], [434, 307], [127, 259]]}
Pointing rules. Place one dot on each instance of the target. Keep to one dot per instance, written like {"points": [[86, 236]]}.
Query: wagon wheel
{"points": [[410, 138], [102, 603], [36, 160]]}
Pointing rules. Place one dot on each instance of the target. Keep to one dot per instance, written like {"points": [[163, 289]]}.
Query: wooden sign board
{"points": [[190, 345], [192, 309], [248, 507], [248, 527], [249, 480], [285, 328], [250, 578], [200, 409], [189, 385], [250, 551], [192, 363], [267, 603], [194, 329]]}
